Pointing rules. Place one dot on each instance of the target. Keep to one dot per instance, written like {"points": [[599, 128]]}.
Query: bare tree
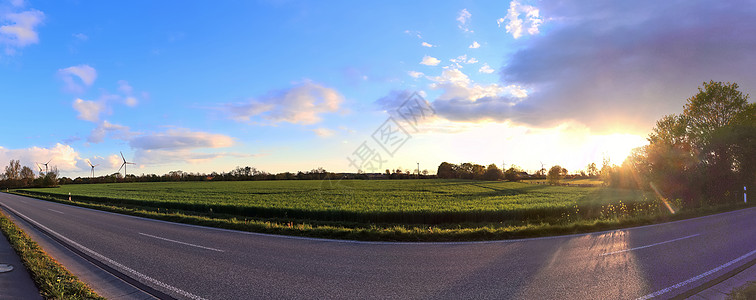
{"points": [[13, 170]]}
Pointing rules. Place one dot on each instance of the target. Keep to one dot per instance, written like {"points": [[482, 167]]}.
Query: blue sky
{"points": [[288, 86]]}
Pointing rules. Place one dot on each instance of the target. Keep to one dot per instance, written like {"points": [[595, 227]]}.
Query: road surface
{"points": [[192, 262]]}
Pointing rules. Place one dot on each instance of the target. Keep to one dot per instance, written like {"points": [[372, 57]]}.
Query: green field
{"points": [[360, 209]]}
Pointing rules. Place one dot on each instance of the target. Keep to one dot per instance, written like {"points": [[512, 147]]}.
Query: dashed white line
{"points": [[57, 211], [112, 262], [180, 242], [655, 244], [702, 275]]}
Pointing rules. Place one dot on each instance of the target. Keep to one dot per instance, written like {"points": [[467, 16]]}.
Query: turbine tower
{"points": [[123, 166], [91, 165], [45, 164]]}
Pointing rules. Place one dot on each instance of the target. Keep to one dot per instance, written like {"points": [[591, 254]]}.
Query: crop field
{"points": [[368, 202]]}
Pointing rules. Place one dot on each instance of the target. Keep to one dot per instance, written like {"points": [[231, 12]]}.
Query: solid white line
{"points": [[112, 262], [702, 275], [57, 211], [655, 244], [179, 242]]}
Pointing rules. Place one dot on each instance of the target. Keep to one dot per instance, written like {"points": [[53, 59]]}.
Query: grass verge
{"points": [[52, 279], [745, 292], [392, 232]]}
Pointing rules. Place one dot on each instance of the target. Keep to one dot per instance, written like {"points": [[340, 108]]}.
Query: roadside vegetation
{"points": [[52, 279], [745, 292]]}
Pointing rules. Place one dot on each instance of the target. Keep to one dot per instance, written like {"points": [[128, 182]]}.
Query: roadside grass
{"points": [[52, 279], [390, 210], [745, 292]]}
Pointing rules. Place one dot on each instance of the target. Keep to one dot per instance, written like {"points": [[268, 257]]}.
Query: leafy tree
{"points": [[493, 173], [555, 174], [708, 150], [446, 170], [27, 174], [513, 173]]}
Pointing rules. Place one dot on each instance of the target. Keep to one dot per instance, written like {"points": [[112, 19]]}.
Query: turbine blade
{"points": [[119, 169], [89, 162], [48, 161], [124, 159]]}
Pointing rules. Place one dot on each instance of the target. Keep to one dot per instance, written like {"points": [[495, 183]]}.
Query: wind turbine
{"points": [[123, 166], [45, 164], [91, 165], [38, 167], [542, 170]]}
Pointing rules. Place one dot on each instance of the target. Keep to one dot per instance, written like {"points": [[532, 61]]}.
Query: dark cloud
{"points": [[614, 64]]}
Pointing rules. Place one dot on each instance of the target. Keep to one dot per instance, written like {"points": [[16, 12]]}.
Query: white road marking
{"points": [[655, 244], [112, 262], [57, 211], [702, 275], [180, 242]]}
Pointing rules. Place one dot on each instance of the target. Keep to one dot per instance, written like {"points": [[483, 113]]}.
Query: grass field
{"points": [[365, 209]]}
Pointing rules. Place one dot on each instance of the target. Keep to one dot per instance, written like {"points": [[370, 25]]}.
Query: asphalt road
{"points": [[192, 262]]}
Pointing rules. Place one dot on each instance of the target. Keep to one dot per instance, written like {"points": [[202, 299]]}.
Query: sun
{"points": [[617, 146]]}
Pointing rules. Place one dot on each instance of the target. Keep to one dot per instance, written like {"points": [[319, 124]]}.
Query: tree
{"points": [[27, 174], [705, 153], [513, 173], [555, 174], [592, 170], [13, 170], [446, 170], [493, 173]]}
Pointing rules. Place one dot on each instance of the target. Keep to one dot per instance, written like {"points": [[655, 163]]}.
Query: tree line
{"points": [[16, 176]]}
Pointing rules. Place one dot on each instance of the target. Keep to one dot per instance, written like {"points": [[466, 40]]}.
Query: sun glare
{"points": [[618, 146]]}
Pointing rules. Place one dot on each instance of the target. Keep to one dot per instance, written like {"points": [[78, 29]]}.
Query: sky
{"points": [[203, 86]]}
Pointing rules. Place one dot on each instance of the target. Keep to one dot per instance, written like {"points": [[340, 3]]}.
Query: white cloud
{"points": [[17, 3], [463, 18], [414, 33], [85, 73], [178, 146], [415, 74], [474, 45], [323, 132], [126, 89], [426, 44], [430, 61], [115, 160], [181, 139], [20, 29], [106, 129], [81, 36], [456, 85], [472, 60], [64, 157], [302, 104], [486, 69], [515, 25], [88, 110]]}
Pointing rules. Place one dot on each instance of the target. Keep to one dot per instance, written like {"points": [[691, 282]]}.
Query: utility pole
{"points": [[418, 170]]}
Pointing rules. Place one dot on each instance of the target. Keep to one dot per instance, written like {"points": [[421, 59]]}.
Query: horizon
{"points": [[287, 87]]}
